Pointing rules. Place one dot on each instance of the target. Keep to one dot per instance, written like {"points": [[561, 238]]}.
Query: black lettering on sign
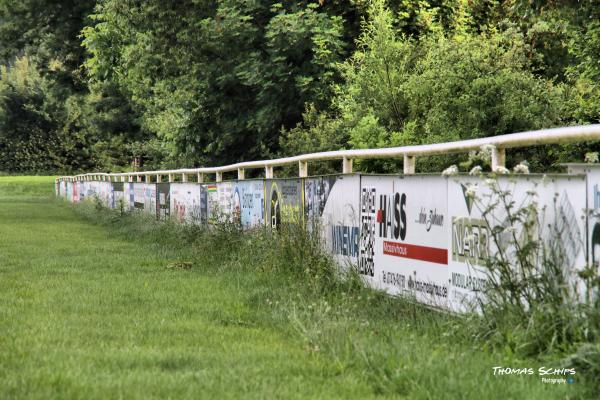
{"points": [[391, 216]]}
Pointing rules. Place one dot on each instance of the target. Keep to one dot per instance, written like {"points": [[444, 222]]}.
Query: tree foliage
{"points": [[216, 80], [197, 82]]}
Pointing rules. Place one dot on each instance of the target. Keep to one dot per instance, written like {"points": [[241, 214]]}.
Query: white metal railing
{"points": [[408, 153]]}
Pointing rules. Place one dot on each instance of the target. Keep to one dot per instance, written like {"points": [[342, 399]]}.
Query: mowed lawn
{"points": [[89, 313], [84, 314]]}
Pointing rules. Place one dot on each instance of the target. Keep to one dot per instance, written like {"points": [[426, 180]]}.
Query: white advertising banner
{"points": [[141, 197], [248, 202], [213, 212], [331, 204], [593, 189], [104, 193], [560, 203], [185, 202], [69, 191], [78, 194], [404, 236], [129, 196], [118, 195], [225, 201], [138, 196]]}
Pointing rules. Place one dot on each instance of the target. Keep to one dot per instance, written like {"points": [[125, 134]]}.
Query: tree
{"points": [[440, 87], [219, 79]]}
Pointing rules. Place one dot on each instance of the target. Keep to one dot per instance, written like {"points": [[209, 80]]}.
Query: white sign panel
{"points": [[331, 204], [185, 202], [248, 202], [404, 236], [560, 222], [593, 193]]}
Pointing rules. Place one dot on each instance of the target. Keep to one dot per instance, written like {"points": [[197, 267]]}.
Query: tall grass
{"points": [[398, 345]]}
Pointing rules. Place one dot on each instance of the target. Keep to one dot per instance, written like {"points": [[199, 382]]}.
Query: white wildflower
{"points": [[450, 171], [501, 170], [490, 182], [476, 171], [510, 229], [521, 168], [471, 191], [591, 157]]}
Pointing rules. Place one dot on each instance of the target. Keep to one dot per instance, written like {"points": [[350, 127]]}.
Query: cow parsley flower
{"points": [[476, 171], [501, 170], [450, 171], [591, 157], [471, 191], [521, 168]]}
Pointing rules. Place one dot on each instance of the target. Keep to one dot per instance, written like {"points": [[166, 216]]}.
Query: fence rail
{"points": [[408, 153]]}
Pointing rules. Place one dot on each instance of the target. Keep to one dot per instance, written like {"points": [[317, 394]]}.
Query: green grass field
{"points": [[89, 310]]}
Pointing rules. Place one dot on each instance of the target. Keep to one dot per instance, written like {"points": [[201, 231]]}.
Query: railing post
{"points": [[158, 178], [170, 177], [409, 164], [200, 177], [498, 158], [219, 177], [184, 178], [269, 172], [241, 174], [302, 169], [347, 165]]}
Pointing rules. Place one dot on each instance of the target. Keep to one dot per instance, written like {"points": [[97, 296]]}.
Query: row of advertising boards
{"points": [[420, 235]]}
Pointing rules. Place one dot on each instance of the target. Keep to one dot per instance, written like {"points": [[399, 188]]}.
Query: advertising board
{"points": [[284, 202], [481, 227], [331, 206], [403, 245], [185, 202]]}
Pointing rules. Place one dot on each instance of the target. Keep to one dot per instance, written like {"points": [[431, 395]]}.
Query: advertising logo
{"points": [[429, 218], [470, 240], [391, 216], [468, 199]]}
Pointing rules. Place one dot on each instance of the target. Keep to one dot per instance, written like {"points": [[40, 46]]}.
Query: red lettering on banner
{"points": [[379, 216], [415, 252]]}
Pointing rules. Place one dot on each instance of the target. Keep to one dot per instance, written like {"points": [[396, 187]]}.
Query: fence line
{"points": [[420, 235]]}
